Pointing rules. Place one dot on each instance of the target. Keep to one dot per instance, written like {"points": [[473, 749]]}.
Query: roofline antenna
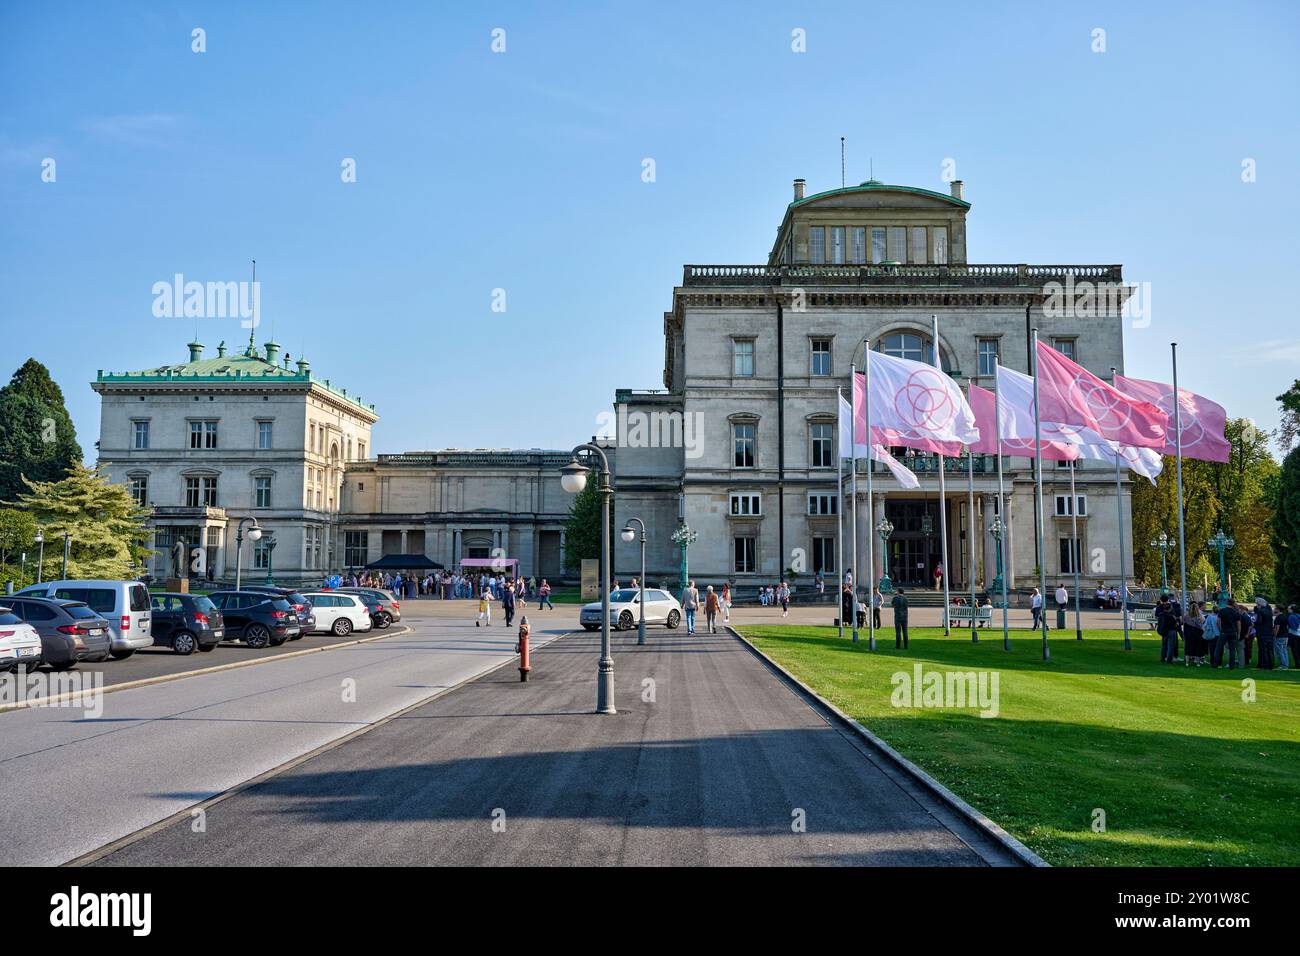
{"points": [[842, 182]]}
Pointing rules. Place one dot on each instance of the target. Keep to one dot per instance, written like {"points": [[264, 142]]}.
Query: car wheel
{"points": [[184, 643], [257, 636], [65, 666], [121, 655], [382, 621], [342, 627], [674, 618], [625, 621]]}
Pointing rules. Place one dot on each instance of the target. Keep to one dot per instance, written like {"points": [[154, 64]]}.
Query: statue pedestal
{"points": [[177, 585]]}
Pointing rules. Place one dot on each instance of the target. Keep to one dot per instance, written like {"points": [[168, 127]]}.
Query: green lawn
{"points": [[1187, 772]]}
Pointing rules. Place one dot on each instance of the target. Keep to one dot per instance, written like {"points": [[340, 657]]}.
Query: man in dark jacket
{"points": [[899, 604], [1169, 619], [508, 602], [1264, 632], [1227, 632]]}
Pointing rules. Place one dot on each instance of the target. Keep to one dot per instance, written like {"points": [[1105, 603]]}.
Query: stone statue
{"points": [[180, 556]]}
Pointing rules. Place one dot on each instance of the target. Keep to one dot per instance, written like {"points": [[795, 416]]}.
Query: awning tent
{"points": [[404, 562]]}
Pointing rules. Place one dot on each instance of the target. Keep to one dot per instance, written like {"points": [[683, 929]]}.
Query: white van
{"points": [[125, 604]]}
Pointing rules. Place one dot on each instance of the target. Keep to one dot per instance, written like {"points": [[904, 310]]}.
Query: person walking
{"points": [[711, 606], [877, 602], [544, 595], [690, 603], [726, 603], [783, 598], [846, 606], [508, 603], [899, 604], [938, 575], [1036, 607], [484, 609]]}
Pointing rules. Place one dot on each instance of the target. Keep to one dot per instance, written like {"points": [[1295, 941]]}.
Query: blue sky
{"points": [[522, 171]]}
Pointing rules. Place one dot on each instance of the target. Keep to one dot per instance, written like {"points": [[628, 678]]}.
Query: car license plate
{"points": [[217, 633], [96, 632], [26, 652]]}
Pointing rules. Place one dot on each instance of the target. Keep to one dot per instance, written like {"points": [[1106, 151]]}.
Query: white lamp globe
{"points": [[573, 477], [254, 534], [627, 534]]}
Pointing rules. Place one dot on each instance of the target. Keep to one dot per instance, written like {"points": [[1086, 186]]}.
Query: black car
{"points": [[301, 606], [184, 622], [70, 631], [256, 618]]}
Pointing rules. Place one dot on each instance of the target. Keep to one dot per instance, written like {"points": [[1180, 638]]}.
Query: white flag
{"points": [[917, 406], [904, 475]]}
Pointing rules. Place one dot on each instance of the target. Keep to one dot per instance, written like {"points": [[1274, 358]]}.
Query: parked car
{"points": [[20, 645], [301, 605], [340, 613], [124, 604], [184, 622], [70, 631], [255, 618], [660, 608], [390, 609]]}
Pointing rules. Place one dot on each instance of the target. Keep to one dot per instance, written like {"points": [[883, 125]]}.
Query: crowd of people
{"points": [[449, 585], [1229, 630]]}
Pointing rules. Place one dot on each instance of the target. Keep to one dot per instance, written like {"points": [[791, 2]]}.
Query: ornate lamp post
{"points": [[684, 537], [254, 533], [270, 562], [40, 561], [1223, 543], [628, 534], [1164, 543], [997, 529], [573, 478], [927, 529], [885, 530]]}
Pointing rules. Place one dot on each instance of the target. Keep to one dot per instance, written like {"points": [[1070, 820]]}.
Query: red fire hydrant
{"points": [[522, 649]]}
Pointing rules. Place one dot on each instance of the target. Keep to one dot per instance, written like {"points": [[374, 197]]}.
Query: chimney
{"points": [[196, 349], [272, 351], [221, 349], [799, 186], [303, 366], [956, 187]]}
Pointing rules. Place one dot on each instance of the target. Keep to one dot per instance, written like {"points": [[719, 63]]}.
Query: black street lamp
{"points": [[629, 534], [254, 533], [40, 561], [573, 478]]}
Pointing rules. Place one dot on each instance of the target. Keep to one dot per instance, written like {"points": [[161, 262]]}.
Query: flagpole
{"points": [[1002, 504], [970, 526], [943, 497], [871, 502], [1178, 449], [1076, 553], [1038, 511], [1119, 509], [839, 511], [853, 492]]}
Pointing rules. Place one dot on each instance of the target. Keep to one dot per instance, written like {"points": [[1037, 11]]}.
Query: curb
{"points": [[401, 631], [1022, 853]]}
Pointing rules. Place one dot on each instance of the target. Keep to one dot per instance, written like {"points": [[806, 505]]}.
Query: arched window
{"points": [[913, 346]]}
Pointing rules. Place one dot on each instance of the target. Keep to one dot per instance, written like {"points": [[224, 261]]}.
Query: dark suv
{"points": [[70, 631], [184, 622], [301, 606], [256, 618]]}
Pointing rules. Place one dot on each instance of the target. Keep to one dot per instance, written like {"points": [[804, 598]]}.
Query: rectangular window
{"points": [[744, 549], [837, 244], [742, 357], [746, 505], [262, 492], [1070, 554], [988, 351], [263, 435], [821, 357], [209, 492], [743, 445], [203, 434], [823, 555], [823, 504], [262, 551], [191, 492], [355, 548], [1066, 348], [939, 242], [1063, 506], [823, 445], [140, 491], [859, 240], [877, 244], [918, 252], [817, 244], [361, 450], [898, 243], [140, 435]]}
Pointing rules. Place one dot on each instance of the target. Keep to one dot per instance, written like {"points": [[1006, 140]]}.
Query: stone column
{"points": [[861, 577], [562, 544], [404, 545]]}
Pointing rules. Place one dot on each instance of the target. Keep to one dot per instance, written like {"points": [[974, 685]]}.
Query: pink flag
{"points": [[981, 400], [1068, 393], [1203, 421]]}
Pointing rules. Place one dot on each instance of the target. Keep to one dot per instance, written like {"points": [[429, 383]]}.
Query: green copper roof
{"points": [[246, 366], [874, 185]]}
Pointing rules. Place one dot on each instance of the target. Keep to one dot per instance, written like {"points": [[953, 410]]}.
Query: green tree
{"points": [[1286, 530], [17, 531], [1289, 430], [37, 439], [107, 527], [582, 532]]}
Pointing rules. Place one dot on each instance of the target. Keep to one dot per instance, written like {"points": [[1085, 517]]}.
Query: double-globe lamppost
{"points": [[684, 537], [573, 478], [885, 529], [1223, 543], [997, 529], [1164, 543], [628, 534], [254, 533]]}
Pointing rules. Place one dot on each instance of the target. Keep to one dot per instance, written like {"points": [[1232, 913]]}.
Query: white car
{"points": [[20, 644], [660, 608], [338, 612]]}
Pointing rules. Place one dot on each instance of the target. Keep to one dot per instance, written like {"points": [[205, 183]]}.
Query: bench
{"points": [[1145, 616], [961, 612]]}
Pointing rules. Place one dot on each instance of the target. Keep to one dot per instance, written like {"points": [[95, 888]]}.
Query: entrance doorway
{"points": [[913, 554]]}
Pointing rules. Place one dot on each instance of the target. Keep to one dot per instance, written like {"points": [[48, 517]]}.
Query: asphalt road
{"points": [[711, 760], [70, 784]]}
